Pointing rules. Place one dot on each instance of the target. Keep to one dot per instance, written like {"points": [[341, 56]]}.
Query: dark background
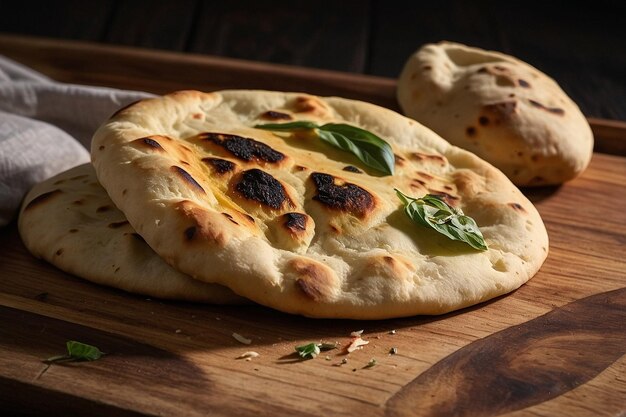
{"points": [[580, 44]]}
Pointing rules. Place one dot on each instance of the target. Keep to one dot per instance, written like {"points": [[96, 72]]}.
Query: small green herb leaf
{"points": [[83, 351], [308, 351], [431, 211], [369, 148], [311, 350], [77, 351]]}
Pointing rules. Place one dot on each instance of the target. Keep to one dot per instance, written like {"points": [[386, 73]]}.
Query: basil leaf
{"points": [[369, 148], [308, 351], [302, 125], [82, 351], [77, 351], [431, 211]]}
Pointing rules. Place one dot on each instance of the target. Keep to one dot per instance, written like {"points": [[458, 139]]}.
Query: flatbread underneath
{"points": [[287, 221], [70, 221]]}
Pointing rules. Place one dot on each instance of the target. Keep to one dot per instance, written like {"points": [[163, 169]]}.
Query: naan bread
{"points": [[70, 221], [298, 225], [499, 108]]}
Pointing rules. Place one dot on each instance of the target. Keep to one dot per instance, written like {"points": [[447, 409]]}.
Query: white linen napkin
{"points": [[46, 128]]}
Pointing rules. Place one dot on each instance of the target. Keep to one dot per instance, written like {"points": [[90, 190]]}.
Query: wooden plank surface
{"points": [[554, 347]]}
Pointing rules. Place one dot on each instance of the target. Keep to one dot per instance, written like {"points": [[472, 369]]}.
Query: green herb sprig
{"points": [[369, 148], [431, 211], [311, 350], [77, 351]]}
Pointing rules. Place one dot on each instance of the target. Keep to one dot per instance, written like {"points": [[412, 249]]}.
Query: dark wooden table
{"points": [[581, 47]]}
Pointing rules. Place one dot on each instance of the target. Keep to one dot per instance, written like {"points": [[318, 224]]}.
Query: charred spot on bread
{"points": [[517, 207], [202, 225], [523, 83], [40, 199], [390, 266], [295, 222], [470, 131], [345, 197], [306, 105], [553, 110], [187, 178], [230, 217], [275, 115], [450, 199], [417, 184], [352, 168], [104, 208], [314, 280], [260, 186], [220, 166], [190, 232], [149, 143], [423, 157], [399, 160], [246, 149], [425, 175], [117, 225], [248, 217]]}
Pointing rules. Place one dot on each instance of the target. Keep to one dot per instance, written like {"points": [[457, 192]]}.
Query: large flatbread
{"points": [[287, 221], [70, 221]]}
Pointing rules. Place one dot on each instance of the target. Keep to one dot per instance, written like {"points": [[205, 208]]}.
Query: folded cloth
{"points": [[46, 128]]}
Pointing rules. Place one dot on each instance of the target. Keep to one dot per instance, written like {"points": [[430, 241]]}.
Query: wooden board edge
{"points": [[610, 136]]}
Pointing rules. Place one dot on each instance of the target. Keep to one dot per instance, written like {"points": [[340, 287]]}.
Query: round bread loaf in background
{"points": [[499, 108]]}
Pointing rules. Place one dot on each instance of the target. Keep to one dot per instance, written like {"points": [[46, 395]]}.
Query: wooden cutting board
{"points": [[555, 347]]}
